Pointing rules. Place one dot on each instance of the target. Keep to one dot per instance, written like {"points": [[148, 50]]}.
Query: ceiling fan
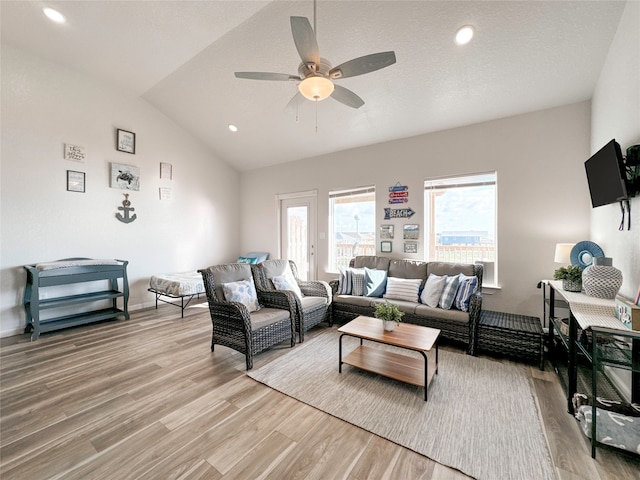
{"points": [[316, 75]]}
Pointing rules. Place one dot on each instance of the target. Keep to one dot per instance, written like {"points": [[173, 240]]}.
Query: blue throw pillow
{"points": [[449, 292], [249, 260], [466, 287], [375, 282]]}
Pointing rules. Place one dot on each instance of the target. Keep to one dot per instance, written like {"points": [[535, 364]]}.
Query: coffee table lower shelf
{"points": [[412, 370]]}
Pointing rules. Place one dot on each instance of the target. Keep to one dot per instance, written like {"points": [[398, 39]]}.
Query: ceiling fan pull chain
{"points": [[316, 116]]}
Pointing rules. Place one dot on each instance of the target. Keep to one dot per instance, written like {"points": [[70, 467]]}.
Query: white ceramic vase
{"points": [[389, 325], [601, 279]]}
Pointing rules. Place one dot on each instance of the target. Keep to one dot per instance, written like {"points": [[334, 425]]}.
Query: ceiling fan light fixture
{"points": [[316, 87], [464, 35]]}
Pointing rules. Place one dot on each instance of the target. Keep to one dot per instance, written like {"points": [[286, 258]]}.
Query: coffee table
{"points": [[400, 367]]}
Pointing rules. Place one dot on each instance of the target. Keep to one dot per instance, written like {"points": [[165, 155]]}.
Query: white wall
{"points": [[45, 106], [542, 191], [616, 114]]}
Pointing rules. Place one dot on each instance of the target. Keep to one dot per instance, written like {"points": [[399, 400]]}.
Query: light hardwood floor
{"points": [[145, 398]]}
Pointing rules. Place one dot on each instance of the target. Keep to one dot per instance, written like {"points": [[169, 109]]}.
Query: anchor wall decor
{"points": [[126, 208]]}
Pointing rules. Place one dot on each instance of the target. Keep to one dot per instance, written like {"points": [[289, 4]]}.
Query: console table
{"points": [[604, 342], [65, 273]]}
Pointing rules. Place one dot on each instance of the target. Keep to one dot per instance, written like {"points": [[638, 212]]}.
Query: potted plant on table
{"points": [[389, 314], [571, 277]]}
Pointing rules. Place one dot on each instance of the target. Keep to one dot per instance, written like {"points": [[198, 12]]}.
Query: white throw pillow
{"points": [[287, 282], [403, 289], [243, 291], [433, 290]]}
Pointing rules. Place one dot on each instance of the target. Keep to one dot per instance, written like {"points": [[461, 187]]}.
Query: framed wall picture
{"points": [[75, 181], [410, 247], [126, 177], [385, 246], [126, 141], [411, 232], [386, 232]]}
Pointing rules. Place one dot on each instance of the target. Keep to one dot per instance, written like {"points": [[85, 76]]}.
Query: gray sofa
{"points": [[454, 324]]}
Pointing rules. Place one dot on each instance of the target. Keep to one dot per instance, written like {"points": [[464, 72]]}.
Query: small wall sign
{"points": [[390, 213], [74, 152], [126, 141]]}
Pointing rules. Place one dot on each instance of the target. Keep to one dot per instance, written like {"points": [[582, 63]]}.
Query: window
{"points": [[460, 221], [352, 222]]}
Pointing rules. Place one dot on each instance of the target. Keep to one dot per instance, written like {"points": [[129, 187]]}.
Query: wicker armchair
{"points": [[234, 326], [314, 306]]}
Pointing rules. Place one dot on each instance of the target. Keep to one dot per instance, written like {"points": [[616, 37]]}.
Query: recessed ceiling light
{"points": [[233, 128], [54, 15], [464, 35]]}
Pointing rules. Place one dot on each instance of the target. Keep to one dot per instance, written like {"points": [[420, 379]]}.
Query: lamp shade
{"points": [[563, 252], [316, 87]]}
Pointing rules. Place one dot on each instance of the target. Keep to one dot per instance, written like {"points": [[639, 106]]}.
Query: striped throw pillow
{"points": [[449, 292], [357, 276], [403, 289], [466, 287], [345, 284]]}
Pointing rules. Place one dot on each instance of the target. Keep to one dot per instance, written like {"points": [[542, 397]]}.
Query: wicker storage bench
{"points": [[511, 334]]}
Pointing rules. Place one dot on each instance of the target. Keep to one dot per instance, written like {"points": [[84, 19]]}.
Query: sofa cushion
{"points": [[433, 290], [449, 269], [453, 315], [467, 286], [357, 275], [375, 282], [312, 302], [351, 300], [243, 291], [449, 293], [402, 289], [371, 261], [408, 269], [403, 305], [267, 316]]}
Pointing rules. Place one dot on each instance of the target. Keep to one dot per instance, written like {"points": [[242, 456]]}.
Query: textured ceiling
{"points": [[180, 56]]}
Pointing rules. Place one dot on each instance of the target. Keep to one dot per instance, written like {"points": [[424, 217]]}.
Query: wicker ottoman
{"points": [[511, 334]]}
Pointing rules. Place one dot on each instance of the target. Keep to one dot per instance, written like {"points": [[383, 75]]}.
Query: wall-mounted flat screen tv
{"points": [[606, 175]]}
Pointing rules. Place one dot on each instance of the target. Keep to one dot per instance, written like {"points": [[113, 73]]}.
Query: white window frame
{"points": [[484, 254], [331, 244]]}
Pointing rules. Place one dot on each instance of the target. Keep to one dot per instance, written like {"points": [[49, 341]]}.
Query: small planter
{"points": [[389, 325], [571, 286]]}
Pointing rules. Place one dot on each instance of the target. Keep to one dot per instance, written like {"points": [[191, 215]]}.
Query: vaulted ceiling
{"points": [[181, 56]]}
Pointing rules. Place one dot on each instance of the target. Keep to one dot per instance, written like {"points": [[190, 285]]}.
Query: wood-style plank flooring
{"points": [[146, 398]]}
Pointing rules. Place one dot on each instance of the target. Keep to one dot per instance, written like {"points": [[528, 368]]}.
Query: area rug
{"points": [[481, 417]]}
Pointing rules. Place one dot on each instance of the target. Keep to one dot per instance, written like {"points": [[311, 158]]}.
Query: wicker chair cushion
{"points": [[450, 269], [230, 272], [267, 316], [408, 269], [433, 290], [243, 291], [453, 315], [378, 263], [275, 267], [311, 302]]}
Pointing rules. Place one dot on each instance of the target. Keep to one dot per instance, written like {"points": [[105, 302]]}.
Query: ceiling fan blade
{"points": [[294, 102], [283, 77], [346, 96], [305, 40], [362, 65]]}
